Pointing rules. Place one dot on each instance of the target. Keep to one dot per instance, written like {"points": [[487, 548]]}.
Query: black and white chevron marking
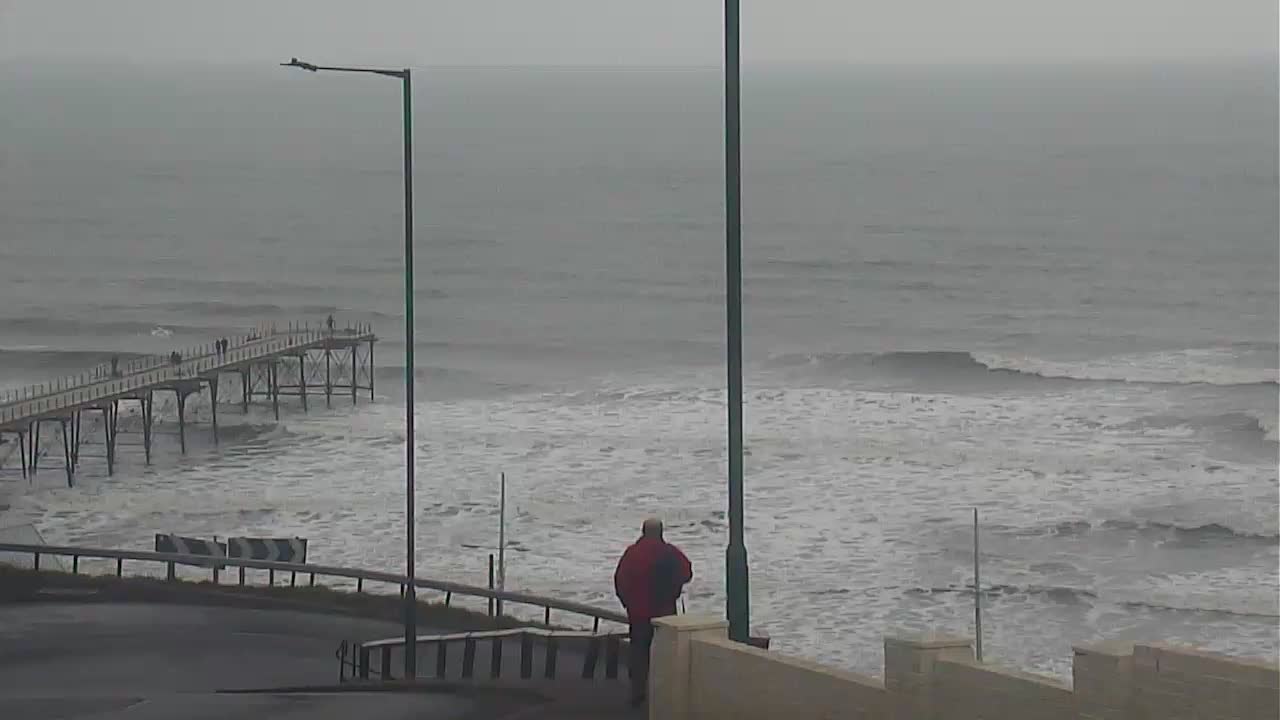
{"points": [[291, 550], [169, 543]]}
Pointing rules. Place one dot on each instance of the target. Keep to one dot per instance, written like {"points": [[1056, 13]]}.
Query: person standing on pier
{"points": [[650, 577]]}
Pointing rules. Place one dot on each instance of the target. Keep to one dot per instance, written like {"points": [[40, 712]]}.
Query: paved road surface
{"points": [[142, 661]]}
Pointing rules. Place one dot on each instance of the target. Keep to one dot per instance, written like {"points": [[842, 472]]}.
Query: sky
{"points": [[636, 32]]}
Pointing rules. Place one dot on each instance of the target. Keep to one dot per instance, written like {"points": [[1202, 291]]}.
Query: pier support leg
{"points": [[35, 448], [147, 424], [354, 389], [75, 440], [182, 420], [371, 371], [22, 453], [110, 422], [273, 380], [244, 390], [328, 378], [302, 379], [213, 406], [66, 452]]}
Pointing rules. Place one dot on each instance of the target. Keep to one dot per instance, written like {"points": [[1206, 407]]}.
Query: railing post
{"points": [[490, 584], [119, 567], [172, 575], [362, 658], [75, 564]]}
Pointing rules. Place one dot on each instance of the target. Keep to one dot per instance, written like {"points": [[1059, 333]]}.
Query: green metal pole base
{"points": [[738, 594]]}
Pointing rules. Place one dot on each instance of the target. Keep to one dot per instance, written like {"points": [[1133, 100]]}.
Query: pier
{"points": [[301, 361]]}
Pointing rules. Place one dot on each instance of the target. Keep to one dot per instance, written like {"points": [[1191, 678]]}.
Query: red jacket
{"points": [[638, 585]]}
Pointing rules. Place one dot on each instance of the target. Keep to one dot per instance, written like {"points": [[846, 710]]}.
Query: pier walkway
{"points": [[299, 361]]}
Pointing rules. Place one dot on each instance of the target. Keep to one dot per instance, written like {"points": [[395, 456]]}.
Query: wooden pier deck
{"points": [[316, 362]]}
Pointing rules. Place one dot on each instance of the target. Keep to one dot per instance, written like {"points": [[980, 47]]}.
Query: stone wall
{"points": [[698, 673]]}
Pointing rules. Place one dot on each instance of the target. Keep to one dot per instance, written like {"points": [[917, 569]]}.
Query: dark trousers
{"points": [[638, 662]]}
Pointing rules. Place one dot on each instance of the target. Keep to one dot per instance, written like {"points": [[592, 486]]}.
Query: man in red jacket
{"points": [[649, 579]]}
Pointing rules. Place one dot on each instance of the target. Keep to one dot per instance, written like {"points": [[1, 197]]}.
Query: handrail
{"points": [[445, 586]]}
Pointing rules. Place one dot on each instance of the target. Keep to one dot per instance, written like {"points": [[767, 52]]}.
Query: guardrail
{"points": [[66, 393], [601, 654], [172, 560]]}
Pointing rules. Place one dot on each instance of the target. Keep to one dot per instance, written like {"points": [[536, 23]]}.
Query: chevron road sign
{"points": [[169, 543], [291, 550]]}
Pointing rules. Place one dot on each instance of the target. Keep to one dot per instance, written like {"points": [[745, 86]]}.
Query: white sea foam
{"points": [[853, 498]]}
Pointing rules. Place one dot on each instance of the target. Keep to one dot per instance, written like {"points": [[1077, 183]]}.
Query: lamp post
{"points": [[410, 605], [737, 595]]}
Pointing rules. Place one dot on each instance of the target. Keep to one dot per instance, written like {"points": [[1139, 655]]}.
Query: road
{"points": [[136, 661]]}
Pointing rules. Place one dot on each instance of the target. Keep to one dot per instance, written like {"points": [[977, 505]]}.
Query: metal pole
{"points": [[410, 606], [977, 589], [736, 588], [502, 537]]}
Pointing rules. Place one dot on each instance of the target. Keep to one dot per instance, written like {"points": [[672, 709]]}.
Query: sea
{"points": [[1047, 293]]}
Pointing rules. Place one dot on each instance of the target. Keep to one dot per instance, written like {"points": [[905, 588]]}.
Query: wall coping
{"points": [[1110, 648], [1146, 648], [928, 641], [690, 623]]}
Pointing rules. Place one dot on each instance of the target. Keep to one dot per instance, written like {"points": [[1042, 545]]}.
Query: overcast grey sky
{"points": [[636, 32]]}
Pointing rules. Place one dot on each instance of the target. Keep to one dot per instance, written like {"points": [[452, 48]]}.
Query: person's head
{"points": [[652, 528]]}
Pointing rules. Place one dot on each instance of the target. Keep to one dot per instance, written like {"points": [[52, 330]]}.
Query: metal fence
{"points": [[449, 589]]}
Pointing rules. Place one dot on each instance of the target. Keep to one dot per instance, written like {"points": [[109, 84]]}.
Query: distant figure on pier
{"points": [[650, 577], [115, 366], [329, 324]]}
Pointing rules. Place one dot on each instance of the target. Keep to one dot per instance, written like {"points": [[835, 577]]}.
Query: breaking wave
{"points": [[1188, 367], [1064, 595], [1188, 533]]}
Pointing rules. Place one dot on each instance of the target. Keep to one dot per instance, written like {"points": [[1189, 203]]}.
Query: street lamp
{"points": [[410, 605], [737, 596]]}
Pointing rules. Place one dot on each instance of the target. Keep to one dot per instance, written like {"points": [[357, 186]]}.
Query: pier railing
{"points": [[73, 391], [446, 588]]}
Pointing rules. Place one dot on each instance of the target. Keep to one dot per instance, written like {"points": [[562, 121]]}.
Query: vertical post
{"points": [[491, 601], [147, 401], [22, 453], [182, 419], [977, 592], [66, 453], [328, 375], [75, 440], [108, 432], [354, 382], [371, 373], [273, 381], [246, 386], [736, 589], [502, 537], [35, 447], [410, 614], [302, 378], [213, 405]]}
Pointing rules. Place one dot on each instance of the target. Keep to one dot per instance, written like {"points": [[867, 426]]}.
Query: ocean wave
{"points": [[68, 327], [1055, 593], [1256, 424], [1065, 595], [1189, 367], [1189, 533]]}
